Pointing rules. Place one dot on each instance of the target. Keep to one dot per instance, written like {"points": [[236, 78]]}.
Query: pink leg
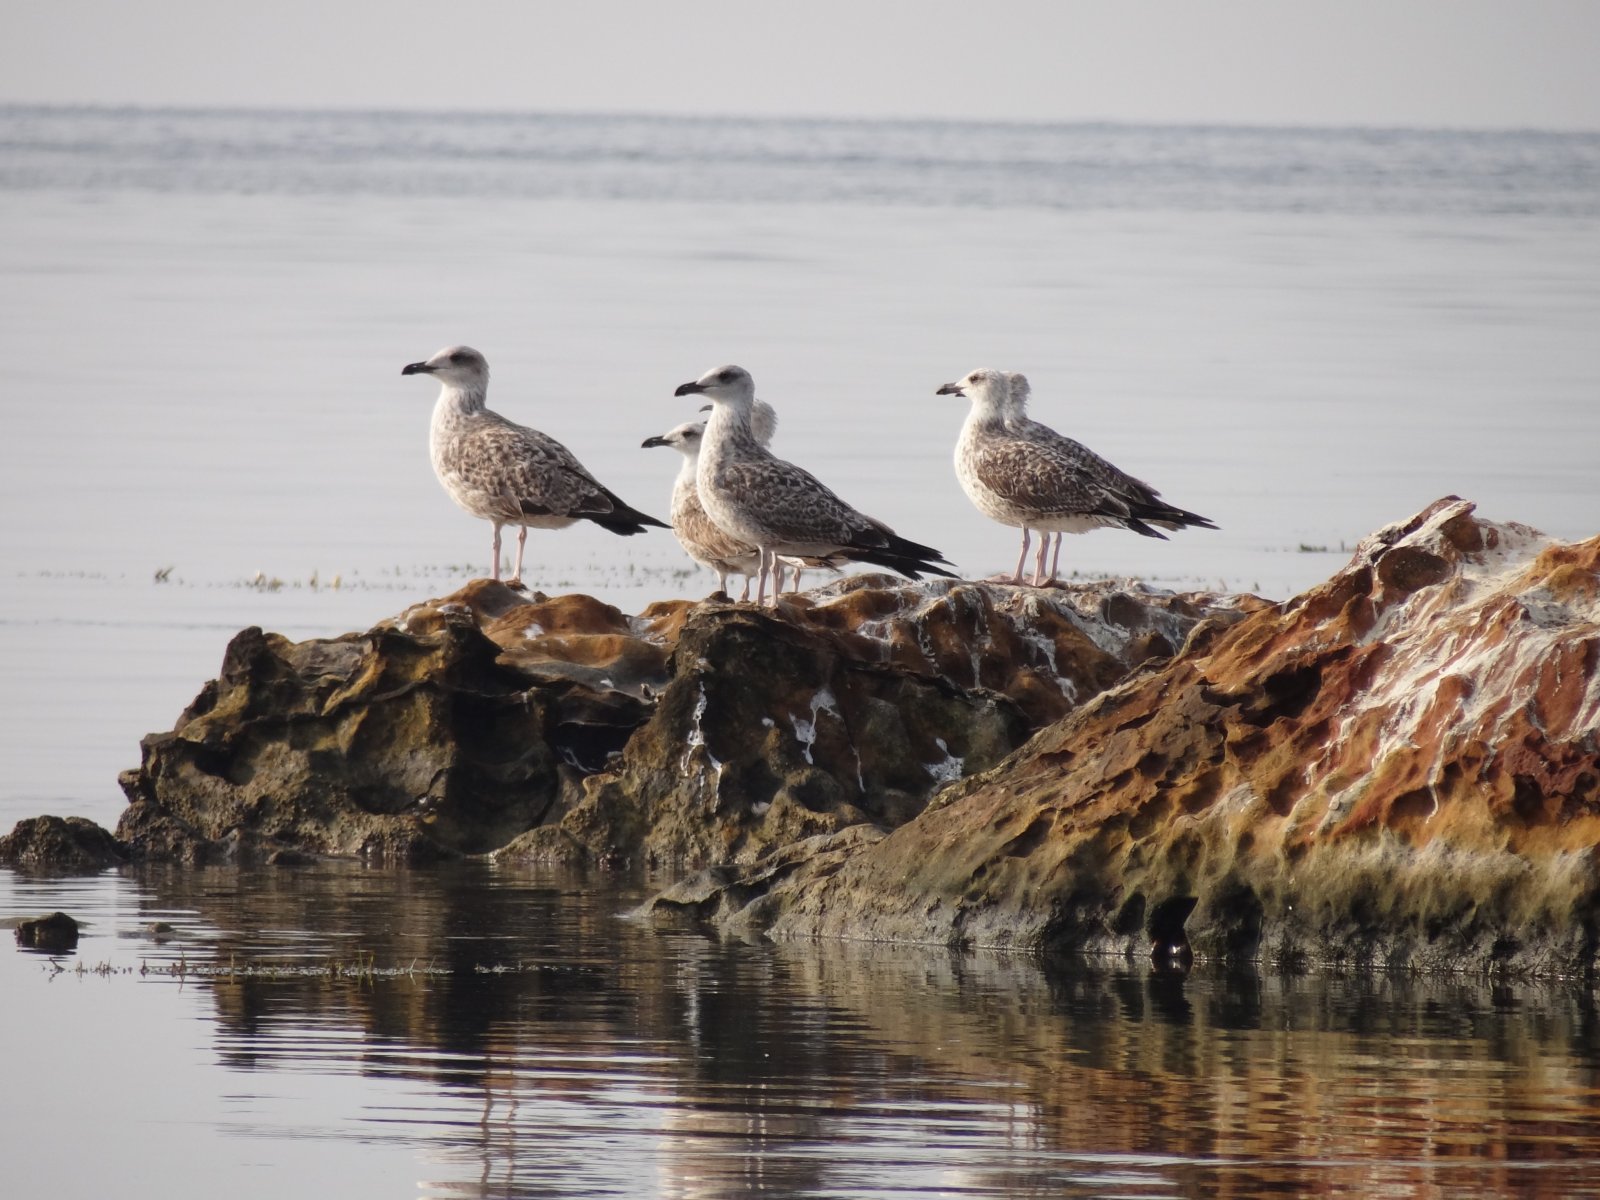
{"points": [[722, 581], [522, 541], [1023, 557], [1038, 562], [494, 570], [745, 594], [1055, 559], [766, 561]]}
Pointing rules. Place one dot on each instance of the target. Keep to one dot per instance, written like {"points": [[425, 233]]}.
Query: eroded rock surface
{"points": [[564, 729], [60, 844], [1400, 767]]}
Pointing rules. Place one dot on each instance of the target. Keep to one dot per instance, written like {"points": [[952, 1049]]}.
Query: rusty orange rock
{"points": [[1400, 767]]}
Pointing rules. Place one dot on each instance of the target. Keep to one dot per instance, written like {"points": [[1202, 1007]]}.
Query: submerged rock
{"points": [[564, 729], [55, 932], [1400, 767], [60, 844]]}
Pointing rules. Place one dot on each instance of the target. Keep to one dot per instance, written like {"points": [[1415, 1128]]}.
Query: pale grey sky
{"points": [[1457, 63]]}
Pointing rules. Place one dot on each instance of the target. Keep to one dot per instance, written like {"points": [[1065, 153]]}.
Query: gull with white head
{"points": [[763, 425], [700, 537], [776, 506], [1021, 473], [505, 473]]}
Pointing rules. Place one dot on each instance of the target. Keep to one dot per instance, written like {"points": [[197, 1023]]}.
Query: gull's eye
{"points": [[459, 359], [725, 377]]}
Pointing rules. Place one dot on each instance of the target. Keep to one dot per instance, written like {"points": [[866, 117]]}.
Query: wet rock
{"points": [[690, 733], [853, 704], [67, 844], [1400, 767], [56, 932], [437, 733]]}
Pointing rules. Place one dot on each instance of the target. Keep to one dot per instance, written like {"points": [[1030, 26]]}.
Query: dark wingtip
{"points": [[626, 524]]}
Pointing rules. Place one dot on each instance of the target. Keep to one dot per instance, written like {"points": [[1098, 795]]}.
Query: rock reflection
{"points": [[551, 1047]]}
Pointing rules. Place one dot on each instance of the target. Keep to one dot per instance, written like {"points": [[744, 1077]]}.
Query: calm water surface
{"points": [[479, 1032]]}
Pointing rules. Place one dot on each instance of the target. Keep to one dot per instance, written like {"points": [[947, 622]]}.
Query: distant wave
{"points": [[750, 160]]}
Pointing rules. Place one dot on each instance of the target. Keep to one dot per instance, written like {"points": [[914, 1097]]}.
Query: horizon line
{"points": [[469, 113]]}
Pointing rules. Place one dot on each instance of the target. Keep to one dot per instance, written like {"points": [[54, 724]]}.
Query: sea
{"points": [[1304, 334]]}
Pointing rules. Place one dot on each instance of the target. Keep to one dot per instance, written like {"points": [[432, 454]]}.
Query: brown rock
{"points": [[1399, 767], [417, 739], [855, 703], [68, 844], [691, 732]]}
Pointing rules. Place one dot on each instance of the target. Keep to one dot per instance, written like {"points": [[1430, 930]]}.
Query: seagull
{"points": [[506, 473], [763, 425], [780, 508], [1022, 473], [700, 537]]}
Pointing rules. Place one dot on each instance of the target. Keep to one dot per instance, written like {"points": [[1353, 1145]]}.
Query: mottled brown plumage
{"points": [[506, 473]]}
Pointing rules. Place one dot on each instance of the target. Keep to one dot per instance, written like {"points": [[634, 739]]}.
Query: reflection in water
{"points": [[522, 1040]]}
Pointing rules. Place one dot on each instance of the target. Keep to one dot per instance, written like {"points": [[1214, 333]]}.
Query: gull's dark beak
{"points": [[950, 389], [707, 407], [653, 441], [690, 389], [420, 368]]}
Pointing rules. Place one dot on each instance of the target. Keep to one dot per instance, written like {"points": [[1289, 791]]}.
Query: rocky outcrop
{"points": [[1400, 767], [692, 733]]}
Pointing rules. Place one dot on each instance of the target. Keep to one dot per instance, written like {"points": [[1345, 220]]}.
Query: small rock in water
{"points": [[57, 931], [60, 844]]}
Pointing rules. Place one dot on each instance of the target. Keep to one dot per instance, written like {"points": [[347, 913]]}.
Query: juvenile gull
{"points": [[1022, 473], [699, 536], [776, 506], [763, 425], [506, 473]]}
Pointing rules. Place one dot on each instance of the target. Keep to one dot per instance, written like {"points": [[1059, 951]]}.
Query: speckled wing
{"points": [[525, 473], [1044, 480], [1106, 475], [795, 505]]}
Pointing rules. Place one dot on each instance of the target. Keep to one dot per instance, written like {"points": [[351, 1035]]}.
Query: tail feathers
{"points": [[912, 566], [1145, 503], [627, 528], [625, 520], [893, 546], [1170, 517], [1138, 526]]}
